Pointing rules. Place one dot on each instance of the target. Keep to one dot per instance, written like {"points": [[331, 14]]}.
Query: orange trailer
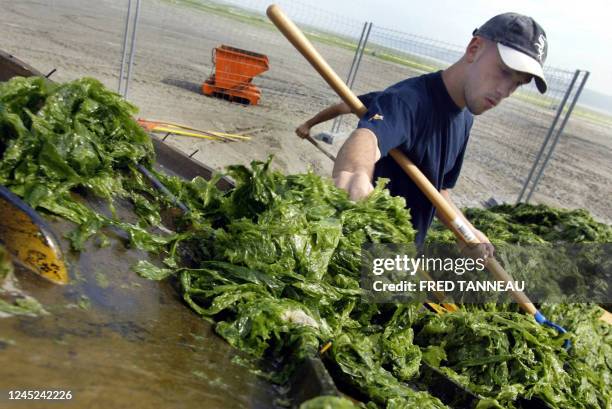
{"points": [[234, 70]]}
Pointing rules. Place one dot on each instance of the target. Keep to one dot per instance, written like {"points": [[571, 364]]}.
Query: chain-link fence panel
{"points": [[506, 140], [76, 39], [230, 51], [578, 172], [177, 52]]}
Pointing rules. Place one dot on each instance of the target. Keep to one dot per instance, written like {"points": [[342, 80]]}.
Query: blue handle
{"points": [[160, 186], [541, 319]]}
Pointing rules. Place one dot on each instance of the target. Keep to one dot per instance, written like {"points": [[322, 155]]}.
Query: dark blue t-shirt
{"points": [[419, 117]]}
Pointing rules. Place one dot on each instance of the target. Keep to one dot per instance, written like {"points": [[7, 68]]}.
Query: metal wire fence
{"points": [[177, 52], [75, 38], [191, 34]]}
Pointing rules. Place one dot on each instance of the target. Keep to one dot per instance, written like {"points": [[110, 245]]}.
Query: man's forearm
{"points": [[354, 165], [328, 113]]}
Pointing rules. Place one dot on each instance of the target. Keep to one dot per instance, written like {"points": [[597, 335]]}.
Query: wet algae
{"points": [[274, 263]]}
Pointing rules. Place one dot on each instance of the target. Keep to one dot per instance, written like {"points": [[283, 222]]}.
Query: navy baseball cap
{"points": [[521, 43]]}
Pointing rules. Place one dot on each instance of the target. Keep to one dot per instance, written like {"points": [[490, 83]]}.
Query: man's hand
{"points": [[303, 131], [489, 249], [483, 250], [357, 184]]}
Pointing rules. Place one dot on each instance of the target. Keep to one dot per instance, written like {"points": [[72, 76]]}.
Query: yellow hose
{"points": [[214, 133], [185, 133]]}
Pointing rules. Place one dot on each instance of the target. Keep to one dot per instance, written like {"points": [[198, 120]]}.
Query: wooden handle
{"points": [[502, 275], [305, 47], [448, 214], [322, 149], [445, 210], [606, 316]]}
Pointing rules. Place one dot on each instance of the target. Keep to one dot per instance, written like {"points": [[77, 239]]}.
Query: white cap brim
{"points": [[523, 63]]}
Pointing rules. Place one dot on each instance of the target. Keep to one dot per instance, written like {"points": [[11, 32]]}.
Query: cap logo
{"points": [[541, 46]]}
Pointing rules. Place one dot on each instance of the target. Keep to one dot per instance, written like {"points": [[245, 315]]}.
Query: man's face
{"points": [[489, 80]]}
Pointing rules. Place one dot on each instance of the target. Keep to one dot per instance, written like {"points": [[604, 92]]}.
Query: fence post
{"points": [[124, 48], [548, 135], [365, 41], [123, 86], [558, 135], [350, 73], [132, 49], [350, 79]]}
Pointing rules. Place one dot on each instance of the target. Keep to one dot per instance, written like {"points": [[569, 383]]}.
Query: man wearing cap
{"points": [[429, 117]]}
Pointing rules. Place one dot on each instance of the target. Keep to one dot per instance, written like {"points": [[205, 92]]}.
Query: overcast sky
{"points": [[579, 32]]}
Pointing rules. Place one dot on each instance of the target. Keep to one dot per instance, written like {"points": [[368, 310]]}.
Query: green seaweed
{"points": [[6, 265], [274, 263], [77, 137], [328, 402]]}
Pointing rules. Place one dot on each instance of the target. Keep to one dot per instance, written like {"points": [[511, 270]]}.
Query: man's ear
{"points": [[474, 49]]}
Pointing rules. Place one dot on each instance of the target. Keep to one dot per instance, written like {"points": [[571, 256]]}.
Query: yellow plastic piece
{"points": [[606, 317], [177, 125], [185, 133], [437, 308], [29, 240], [179, 129], [325, 347]]}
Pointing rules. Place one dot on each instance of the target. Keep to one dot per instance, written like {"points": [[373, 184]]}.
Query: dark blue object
{"points": [[418, 117], [160, 186]]}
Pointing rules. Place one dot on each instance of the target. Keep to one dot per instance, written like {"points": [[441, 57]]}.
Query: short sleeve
{"points": [[366, 99], [391, 120]]}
